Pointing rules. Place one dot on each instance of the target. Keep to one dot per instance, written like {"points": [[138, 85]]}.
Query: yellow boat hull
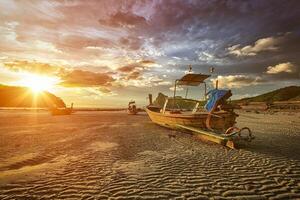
{"points": [[220, 121]]}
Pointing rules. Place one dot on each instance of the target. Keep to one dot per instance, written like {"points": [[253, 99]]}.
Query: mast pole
{"points": [[187, 87]]}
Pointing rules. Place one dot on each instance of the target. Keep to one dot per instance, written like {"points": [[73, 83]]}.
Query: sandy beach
{"points": [[110, 155]]}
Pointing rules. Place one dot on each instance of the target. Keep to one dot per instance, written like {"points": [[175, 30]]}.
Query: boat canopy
{"points": [[192, 79]]}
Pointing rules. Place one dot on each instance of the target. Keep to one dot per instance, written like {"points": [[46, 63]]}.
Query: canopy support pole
{"points": [[174, 93], [205, 98], [187, 91]]}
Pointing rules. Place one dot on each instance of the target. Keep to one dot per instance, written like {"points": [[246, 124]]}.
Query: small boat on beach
{"points": [[132, 110], [215, 121]]}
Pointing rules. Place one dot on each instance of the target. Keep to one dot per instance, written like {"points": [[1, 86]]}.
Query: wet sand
{"points": [[101, 155]]}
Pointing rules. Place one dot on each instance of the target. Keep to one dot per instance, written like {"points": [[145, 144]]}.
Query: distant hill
{"points": [[12, 96], [291, 93], [160, 100]]}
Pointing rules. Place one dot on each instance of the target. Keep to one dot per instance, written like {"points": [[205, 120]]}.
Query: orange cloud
{"points": [[134, 75], [141, 65], [76, 42], [33, 67], [147, 62], [80, 78], [128, 68]]}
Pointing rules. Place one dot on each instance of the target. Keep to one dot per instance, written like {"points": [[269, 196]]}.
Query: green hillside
{"points": [[291, 93], [12, 96]]}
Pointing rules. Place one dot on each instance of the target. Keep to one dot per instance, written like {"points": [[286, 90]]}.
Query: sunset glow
{"points": [[38, 83]]}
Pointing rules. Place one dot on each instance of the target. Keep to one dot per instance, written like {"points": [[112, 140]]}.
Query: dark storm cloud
{"points": [[202, 31], [229, 20]]}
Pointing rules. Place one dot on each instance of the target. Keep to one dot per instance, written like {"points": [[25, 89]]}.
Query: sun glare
{"points": [[38, 83]]}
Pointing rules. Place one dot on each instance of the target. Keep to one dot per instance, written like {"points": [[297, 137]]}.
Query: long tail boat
{"points": [[214, 123], [132, 110]]}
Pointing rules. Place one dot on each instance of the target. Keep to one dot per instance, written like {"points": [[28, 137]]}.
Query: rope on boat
{"points": [[239, 132]]}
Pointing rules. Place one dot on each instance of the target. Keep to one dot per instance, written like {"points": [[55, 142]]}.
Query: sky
{"points": [[106, 53]]}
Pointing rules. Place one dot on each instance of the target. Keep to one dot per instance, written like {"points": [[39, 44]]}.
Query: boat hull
{"points": [[220, 121]]}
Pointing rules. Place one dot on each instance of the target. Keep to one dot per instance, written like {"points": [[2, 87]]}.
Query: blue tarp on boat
{"points": [[213, 96]]}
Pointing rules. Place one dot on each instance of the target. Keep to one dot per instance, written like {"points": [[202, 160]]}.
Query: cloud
{"points": [[123, 19], [140, 65], [80, 78], [178, 88], [77, 42], [165, 83], [32, 66], [127, 68], [132, 43], [106, 91], [139, 80], [131, 72], [147, 62], [283, 72], [283, 67], [237, 81], [135, 71], [264, 44], [134, 75]]}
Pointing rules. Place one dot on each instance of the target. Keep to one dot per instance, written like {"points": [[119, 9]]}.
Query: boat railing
{"points": [[175, 103], [185, 99]]}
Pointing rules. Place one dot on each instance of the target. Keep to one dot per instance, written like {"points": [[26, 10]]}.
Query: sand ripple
{"points": [[102, 160]]}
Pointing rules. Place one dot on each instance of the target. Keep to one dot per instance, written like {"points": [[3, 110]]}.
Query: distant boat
{"points": [[215, 124], [132, 110], [62, 111]]}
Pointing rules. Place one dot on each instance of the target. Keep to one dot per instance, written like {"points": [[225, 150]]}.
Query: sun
{"points": [[38, 83]]}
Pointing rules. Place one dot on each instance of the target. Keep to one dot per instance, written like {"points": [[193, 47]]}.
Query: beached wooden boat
{"points": [[215, 124], [132, 110], [221, 120]]}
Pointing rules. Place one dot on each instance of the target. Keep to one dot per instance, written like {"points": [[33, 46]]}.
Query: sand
{"points": [[101, 155]]}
